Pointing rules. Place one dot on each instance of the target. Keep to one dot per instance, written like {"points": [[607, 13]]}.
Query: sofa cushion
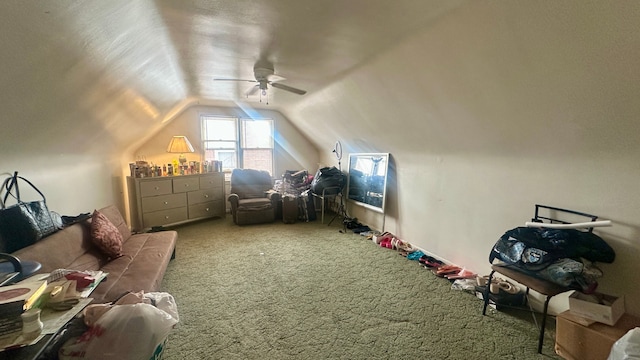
{"points": [[105, 235], [144, 260], [71, 245], [254, 204]]}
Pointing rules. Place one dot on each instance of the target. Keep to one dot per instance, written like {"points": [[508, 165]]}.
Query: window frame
{"points": [[240, 140]]}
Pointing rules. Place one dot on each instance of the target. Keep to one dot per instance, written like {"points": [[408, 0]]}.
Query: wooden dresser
{"points": [[158, 201]]}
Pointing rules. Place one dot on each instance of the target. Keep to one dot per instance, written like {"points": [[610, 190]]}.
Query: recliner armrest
{"points": [[234, 199]]}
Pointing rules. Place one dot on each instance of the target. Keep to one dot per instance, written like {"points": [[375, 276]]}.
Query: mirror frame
{"points": [[350, 183]]}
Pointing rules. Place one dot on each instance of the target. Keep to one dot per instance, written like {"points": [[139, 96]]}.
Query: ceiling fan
{"points": [[265, 76]]}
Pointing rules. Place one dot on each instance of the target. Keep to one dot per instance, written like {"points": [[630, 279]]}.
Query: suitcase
{"points": [[289, 209]]}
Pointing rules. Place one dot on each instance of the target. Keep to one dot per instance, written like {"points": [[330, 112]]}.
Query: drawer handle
{"points": [[206, 195], [156, 188], [166, 203], [166, 216], [207, 209], [186, 185]]}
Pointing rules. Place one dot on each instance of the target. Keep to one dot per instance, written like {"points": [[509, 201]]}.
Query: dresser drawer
{"points": [[163, 217], [208, 209], [186, 184], [200, 196], [155, 187], [212, 181], [164, 202]]}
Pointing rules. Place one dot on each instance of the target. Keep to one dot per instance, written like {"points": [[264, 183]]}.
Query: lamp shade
{"points": [[179, 144]]}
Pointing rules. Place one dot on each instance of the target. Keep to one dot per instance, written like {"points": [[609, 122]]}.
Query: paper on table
{"points": [[98, 276], [54, 320]]}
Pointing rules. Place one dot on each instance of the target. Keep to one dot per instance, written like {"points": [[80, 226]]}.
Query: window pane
{"points": [[219, 129], [261, 159], [220, 145], [228, 159], [220, 137], [257, 134]]}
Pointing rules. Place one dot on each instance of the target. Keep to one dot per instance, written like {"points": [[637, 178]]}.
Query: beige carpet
{"points": [[307, 291]]}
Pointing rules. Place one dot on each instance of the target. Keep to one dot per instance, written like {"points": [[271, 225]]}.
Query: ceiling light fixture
{"points": [[262, 85]]}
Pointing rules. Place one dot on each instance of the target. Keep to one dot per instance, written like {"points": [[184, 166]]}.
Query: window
{"points": [[238, 143]]}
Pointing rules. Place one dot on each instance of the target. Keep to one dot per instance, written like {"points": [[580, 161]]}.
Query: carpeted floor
{"points": [[307, 291]]}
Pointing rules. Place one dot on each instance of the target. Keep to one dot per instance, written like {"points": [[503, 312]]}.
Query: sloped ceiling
{"points": [[97, 76]]}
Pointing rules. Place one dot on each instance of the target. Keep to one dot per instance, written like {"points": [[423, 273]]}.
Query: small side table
{"points": [[55, 324]]}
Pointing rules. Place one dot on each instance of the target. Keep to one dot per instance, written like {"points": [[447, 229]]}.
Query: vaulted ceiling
{"points": [[311, 43], [117, 69]]}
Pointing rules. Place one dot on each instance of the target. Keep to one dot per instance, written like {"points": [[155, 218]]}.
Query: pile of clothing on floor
{"points": [[295, 188]]}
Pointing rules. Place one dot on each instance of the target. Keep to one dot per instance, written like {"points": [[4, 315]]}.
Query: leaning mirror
{"points": [[368, 180]]}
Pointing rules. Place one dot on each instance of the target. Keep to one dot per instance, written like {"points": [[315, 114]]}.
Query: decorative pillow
{"points": [[105, 235]]}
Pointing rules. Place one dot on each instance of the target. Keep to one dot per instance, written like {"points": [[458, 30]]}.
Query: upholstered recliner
{"points": [[252, 199]]}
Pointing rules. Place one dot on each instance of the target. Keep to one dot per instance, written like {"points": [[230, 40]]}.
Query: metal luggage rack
{"points": [[539, 218]]}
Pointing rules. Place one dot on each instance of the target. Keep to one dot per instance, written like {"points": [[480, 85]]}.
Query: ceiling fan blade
{"points": [[218, 79], [253, 90], [288, 88]]}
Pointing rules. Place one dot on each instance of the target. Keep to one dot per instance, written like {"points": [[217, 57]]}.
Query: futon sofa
{"points": [[141, 265]]}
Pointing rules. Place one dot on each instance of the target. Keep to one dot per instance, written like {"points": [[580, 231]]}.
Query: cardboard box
{"points": [[599, 307], [575, 341]]}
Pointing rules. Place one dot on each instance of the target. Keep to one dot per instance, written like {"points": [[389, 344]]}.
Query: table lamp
{"points": [[180, 144]]}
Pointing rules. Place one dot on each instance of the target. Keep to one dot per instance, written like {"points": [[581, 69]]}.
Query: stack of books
{"points": [[14, 300]]}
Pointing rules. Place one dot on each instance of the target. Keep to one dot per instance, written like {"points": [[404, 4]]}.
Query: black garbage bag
{"points": [[580, 244], [523, 247], [536, 248], [328, 177]]}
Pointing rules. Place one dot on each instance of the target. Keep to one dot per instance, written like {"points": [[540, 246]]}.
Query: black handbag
{"points": [[23, 223]]}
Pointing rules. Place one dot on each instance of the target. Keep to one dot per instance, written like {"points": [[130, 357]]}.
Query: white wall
{"points": [[71, 184], [497, 107]]}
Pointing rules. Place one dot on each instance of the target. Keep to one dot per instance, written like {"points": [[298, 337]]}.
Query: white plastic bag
{"points": [[127, 332], [627, 347], [164, 301]]}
